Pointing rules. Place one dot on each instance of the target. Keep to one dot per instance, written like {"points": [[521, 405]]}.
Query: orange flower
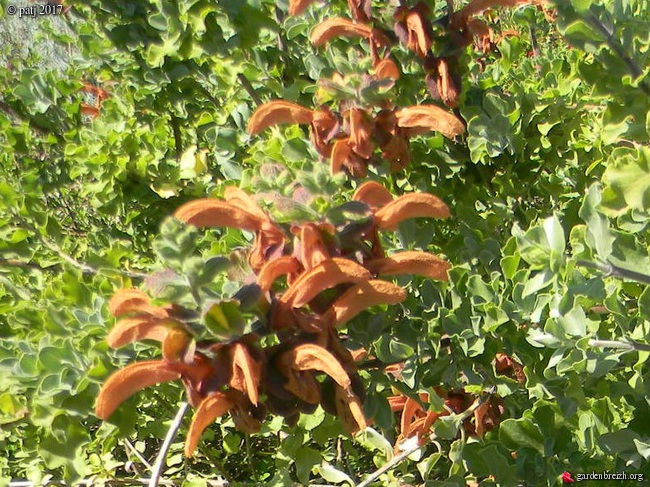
{"points": [[413, 28]]}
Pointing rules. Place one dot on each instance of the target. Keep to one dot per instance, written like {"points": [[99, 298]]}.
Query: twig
{"points": [[406, 453], [390, 465], [135, 452], [110, 482], [178, 138], [249, 88], [615, 46], [616, 271], [621, 345], [162, 454]]}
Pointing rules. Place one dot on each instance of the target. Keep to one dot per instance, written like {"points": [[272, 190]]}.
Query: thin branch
{"points": [[249, 88], [615, 46], [390, 465], [178, 139], [417, 446], [162, 454], [137, 454], [111, 482], [616, 271], [620, 345]]}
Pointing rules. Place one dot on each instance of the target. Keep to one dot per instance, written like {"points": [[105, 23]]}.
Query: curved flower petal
{"points": [[419, 39], [430, 117], [246, 371], [350, 410], [276, 268], [278, 112], [309, 356], [129, 301], [360, 133], [296, 7], [410, 262], [136, 328], [324, 276], [211, 212], [386, 68], [362, 296], [312, 247], [241, 199], [341, 152], [215, 405], [337, 27], [459, 19], [129, 380], [179, 345], [413, 205], [373, 194]]}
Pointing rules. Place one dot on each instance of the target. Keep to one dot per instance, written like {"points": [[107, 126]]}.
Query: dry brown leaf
{"points": [[215, 405], [136, 328], [362, 296], [412, 205], [410, 262], [211, 212], [278, 112], [373, 194], [325, 275], [129, 380], [275, 268], [314, 357], [430, 117], [337, 27]]}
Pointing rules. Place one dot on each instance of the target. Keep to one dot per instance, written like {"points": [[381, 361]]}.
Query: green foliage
{"points": [[549, 191]]}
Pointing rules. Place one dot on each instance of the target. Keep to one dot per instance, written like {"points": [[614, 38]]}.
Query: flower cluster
{"points": [[311, 279]]}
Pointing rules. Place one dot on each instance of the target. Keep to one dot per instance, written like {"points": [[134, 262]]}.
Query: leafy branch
{"points": [[611, 270]]}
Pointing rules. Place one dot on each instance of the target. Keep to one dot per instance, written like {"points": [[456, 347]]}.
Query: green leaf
{"points": [[598, 234], [306, 459], [224, 319], [518, 433], [628, 176], [332, 474]]}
